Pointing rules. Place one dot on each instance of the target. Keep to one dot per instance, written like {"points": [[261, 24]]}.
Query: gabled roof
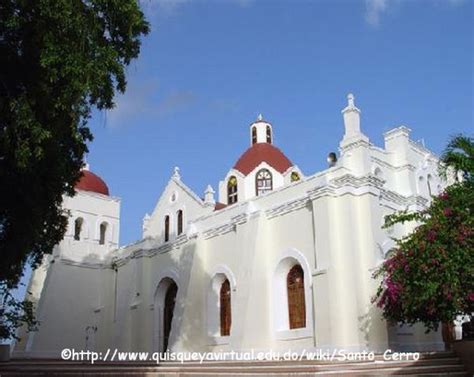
{"points": [[259, 153]]}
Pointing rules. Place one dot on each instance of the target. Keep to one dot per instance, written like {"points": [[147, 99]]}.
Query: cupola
{"points": [[261, 131]]}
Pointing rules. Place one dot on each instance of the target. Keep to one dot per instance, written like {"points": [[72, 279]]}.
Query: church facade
{"points": [[275, 260]]}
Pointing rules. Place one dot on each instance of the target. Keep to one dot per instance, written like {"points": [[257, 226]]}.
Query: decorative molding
{"points": [[322, 271], [72, 262], [354, 144], [393, 198], [287, 207], [421, 149], [348, 184], [392, 167], [219, 230], [401, 130]]}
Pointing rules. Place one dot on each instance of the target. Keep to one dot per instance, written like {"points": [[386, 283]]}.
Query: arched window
{"points": [[167, 228], [254, 135], [295, 176], [179, 216], [78, 228], [269, 135], [296, 300], [263, 182], [103, 233], [429, 182], [225, 308], [232, 190], [421, 185]]}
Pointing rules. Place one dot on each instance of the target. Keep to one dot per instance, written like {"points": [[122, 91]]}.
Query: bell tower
{"points": [[93, 224], [261, 131]]}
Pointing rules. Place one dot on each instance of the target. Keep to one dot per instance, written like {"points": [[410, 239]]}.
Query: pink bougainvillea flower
{"points": [[431, 236], [447, 212], [444, 196]]}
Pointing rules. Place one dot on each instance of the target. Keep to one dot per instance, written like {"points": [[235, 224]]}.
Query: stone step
{"points": [[430, 364], [438, 356]]}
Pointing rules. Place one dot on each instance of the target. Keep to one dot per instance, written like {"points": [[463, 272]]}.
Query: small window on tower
{"points": [[295, 176], [263, 182], [232, 190], [78, 228], [269, 135], [103, 233], [254, 135]]}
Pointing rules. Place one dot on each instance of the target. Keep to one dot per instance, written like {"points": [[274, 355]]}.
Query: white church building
{"points": [[274, 260]]}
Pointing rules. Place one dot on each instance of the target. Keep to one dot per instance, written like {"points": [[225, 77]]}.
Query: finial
{"points": [[350, 100], [146, 222], [260, 117], [351, 116], [85, 165], [209, 190], [209, 195], [176, 174]]}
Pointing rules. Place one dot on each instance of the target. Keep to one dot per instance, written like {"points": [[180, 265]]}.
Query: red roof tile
{"points": [[260, 152], [92, 182], [219, 206]]}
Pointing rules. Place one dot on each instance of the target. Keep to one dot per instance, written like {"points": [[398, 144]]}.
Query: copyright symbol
{"points": [[66, 354]]}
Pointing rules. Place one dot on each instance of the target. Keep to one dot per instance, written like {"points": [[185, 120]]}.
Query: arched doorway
{"points": [[168, 310], [164, 309]]}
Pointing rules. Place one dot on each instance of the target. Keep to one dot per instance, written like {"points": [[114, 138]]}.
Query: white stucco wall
{"points": [[328, 222]]}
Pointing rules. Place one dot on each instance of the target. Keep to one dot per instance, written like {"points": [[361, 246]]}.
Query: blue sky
{"points": [[208, 68]]}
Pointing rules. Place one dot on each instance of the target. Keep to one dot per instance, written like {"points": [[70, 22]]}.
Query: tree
{"points": [[58, 60], [429, 277], [459, 156]]}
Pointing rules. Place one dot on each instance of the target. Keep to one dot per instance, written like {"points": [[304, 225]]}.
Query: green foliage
{"points": [[58, 60], [14, 313], [459, 155], [429, 277]]}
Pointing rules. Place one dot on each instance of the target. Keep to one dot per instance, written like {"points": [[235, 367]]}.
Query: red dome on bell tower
{"points": [[91, 182]]}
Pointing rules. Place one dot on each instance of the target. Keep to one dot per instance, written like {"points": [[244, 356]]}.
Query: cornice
{"points": [[392, 167], [93, 265], [287, 207], [354, 144]]}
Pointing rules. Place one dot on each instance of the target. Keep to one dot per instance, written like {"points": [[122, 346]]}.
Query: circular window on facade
{"points": [[174, 197]]}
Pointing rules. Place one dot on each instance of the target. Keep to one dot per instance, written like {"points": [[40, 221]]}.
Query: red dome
{"points": [[91, 182], [260, 152]]}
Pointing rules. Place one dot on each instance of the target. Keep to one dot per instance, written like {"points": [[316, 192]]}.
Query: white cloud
{"points": [[167, 7], [143, 101], [374, 10]]}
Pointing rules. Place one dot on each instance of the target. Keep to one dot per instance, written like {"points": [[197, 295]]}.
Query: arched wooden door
{"points": [[170, 300], [225, 308], [296, 300]]}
